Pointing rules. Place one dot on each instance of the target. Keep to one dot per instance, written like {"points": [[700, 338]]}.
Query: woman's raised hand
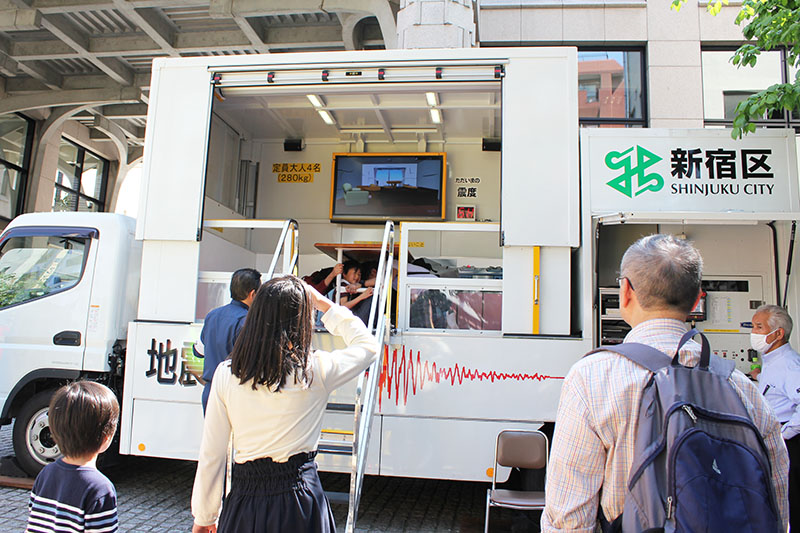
{"points": [[320, 302]]}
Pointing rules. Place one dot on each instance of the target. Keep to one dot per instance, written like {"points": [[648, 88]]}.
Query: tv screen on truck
{"points": [[367, 187]]}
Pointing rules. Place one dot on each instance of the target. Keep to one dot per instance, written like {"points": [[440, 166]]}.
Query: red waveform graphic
{"points": [[411, 373]]}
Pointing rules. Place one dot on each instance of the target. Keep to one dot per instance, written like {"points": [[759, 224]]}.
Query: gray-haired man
{"points": [[779, 382], [593, 443]]}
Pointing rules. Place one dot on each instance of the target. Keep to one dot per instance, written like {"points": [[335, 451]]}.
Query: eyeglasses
{"points": [[619, 282]]}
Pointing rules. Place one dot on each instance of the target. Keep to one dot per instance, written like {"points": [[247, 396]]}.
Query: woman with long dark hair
{"points": [[271, 394]]}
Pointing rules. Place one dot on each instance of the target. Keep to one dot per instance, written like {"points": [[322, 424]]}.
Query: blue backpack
{"points": [[700, 464]]}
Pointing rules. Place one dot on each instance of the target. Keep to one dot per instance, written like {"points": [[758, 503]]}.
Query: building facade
{"points": [[74, 74]]}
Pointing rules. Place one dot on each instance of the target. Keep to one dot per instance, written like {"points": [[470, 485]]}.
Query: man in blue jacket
{"points": [[222, 325]]}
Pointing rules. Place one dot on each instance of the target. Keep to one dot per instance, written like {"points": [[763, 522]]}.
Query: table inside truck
{"points": [[357, 251]]}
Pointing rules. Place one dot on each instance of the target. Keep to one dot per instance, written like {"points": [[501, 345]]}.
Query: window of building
{"points": [[16, 138], [725, 85], [611, 88], [81, 179]]}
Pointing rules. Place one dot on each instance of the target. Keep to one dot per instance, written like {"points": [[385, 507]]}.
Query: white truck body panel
{"points": [[467, 388], [450, 385], [540, 174]]}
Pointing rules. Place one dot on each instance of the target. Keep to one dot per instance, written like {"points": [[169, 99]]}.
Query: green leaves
{"points": [[757, 107], [10, 291], [715, 7], [768, 25]]}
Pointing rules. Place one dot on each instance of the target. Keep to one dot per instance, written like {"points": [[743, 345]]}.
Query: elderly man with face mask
{"points": [[779, 382]]}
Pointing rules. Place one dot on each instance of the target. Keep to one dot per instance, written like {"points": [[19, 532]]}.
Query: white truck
{"points": [[510, 235]]}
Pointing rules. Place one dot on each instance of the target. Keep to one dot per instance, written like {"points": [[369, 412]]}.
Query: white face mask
{"points": [[759, 341]]}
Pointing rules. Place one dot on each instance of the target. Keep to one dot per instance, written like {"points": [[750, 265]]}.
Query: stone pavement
{"points": [[154, 494]]}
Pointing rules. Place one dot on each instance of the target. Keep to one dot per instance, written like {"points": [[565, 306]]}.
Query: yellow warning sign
{"points": [[295, 177], [296, 172]]}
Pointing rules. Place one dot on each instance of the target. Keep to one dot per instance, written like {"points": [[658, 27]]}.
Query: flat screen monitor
{"points": [[402, 186]]}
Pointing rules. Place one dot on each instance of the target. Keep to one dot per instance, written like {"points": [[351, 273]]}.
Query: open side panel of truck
{"points": [[456, 147]]}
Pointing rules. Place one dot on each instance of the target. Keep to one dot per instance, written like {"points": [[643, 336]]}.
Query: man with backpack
{"points": [[706, 449]]}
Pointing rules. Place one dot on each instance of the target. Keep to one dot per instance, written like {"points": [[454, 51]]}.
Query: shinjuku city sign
{"points": [[690, 170]]}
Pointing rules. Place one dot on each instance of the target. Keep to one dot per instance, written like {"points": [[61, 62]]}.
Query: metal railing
{"points": [[289, 248], [367, 385]]}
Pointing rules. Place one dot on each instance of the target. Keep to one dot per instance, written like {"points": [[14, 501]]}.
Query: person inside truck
{"points": [[271, 395], [223, 324], [322, 280], [369, 273], [351, 279]]}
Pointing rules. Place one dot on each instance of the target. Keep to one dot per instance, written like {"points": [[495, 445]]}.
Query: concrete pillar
{"points": [[675, 75], [435, 24]]}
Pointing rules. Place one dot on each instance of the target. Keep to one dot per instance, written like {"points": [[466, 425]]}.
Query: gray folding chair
{"points": [[521, 449]]}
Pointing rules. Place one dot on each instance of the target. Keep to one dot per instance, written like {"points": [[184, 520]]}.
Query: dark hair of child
{"points": [[82, 416], [367, 268], [276, 338], [350, 265]]}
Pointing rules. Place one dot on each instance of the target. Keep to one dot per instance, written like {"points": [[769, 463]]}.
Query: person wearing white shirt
{"points": [[271, 396], [779, 382]]}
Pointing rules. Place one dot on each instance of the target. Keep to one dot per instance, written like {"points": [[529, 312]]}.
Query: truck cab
{"points": [[68, 288]]}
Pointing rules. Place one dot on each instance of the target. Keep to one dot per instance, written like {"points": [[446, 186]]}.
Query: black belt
{"points": [[264, 476]]}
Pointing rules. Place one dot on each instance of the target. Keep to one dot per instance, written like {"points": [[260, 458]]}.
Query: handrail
{"points": [[290, 249], [363, 420]]}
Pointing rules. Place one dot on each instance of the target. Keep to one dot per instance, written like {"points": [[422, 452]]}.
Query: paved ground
{"points": [[153, 495]]}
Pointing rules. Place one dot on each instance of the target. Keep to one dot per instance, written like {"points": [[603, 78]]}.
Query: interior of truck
{"points": [[343, 158]]}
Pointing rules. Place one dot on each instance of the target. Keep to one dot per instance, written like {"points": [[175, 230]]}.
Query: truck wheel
{"points": [[34, 446]]}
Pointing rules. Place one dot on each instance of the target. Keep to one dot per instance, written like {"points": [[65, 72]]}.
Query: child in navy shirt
{"points": [[71, 494]]}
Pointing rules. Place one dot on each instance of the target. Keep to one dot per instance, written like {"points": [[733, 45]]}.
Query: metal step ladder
{"points": [[288, 247], [354, 443]]}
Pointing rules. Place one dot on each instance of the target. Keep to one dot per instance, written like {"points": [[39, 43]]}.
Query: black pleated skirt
{"points": [[276, 497]]}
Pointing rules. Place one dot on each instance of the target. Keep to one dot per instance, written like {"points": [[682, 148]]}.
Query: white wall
{"points": [[309, 203]]}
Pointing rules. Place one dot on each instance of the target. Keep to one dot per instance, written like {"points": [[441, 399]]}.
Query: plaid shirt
{"points": [[593, 444]]}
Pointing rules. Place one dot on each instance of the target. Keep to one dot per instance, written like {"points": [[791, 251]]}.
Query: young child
{"points": [[71, 494], [351, 277]]}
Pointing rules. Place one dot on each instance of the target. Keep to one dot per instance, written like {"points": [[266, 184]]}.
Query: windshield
{"points": [[35, 266]]}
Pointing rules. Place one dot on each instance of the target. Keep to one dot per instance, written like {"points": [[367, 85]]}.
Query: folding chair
{"points": [[521, 449]]}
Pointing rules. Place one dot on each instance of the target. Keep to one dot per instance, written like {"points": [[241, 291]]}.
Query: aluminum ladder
{"points": [[366, 393]]}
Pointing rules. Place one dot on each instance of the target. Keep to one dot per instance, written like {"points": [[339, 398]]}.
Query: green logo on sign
{"points": [[644, 182]]}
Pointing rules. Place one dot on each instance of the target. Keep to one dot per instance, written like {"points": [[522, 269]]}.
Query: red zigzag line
{"points": [[417, 373]]}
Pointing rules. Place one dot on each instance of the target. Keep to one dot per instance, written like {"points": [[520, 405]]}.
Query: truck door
{"points": [[45, 283]]}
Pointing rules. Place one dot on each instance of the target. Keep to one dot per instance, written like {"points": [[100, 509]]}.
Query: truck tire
{"points": [[34, 445]]}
